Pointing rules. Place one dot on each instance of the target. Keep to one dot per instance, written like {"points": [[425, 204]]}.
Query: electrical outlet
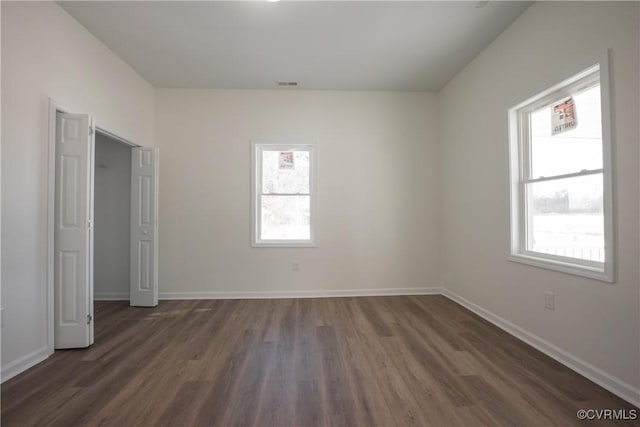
{"points": [[295, 266], [549, 301]]}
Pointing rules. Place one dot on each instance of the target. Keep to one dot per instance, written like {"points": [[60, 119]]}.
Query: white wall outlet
{"points": [[295, 266], [549, 300]]}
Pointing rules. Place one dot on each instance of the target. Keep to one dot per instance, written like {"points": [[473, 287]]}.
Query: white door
{"points": [[73, 233], [144, 227]]}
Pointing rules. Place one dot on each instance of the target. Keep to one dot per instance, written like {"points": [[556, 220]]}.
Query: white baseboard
{"points": [[334, 293], [18, 366], [615, 385], [111, 296]]}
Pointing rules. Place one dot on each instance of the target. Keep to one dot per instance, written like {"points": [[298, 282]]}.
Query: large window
{"points": [[561, 213], [283, 194]]}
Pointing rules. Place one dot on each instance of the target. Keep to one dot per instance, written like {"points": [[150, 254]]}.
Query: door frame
{"points": [[54, 108]]}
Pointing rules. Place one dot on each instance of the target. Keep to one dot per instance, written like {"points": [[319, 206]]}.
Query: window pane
{"points": [[566, 217], [285, 177], [286, 218], [571, 151]]}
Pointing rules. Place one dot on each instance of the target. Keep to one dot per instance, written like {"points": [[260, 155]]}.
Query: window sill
{"points": [[283, 245], [564, 267]]}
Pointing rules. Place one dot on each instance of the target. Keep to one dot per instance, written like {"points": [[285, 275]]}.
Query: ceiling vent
{"points": [[287, 84]]}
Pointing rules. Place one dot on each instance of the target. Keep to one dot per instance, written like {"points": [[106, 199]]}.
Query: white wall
{"points": [[46, 53], [595, 322], [1, 303], [112, 208], [378, 190]]}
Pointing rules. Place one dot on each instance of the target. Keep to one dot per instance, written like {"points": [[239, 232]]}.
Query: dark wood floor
{"points": [[388, 361]]}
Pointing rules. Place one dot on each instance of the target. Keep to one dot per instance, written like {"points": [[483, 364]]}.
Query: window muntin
{"points": [[283, 194], [560, 185]]}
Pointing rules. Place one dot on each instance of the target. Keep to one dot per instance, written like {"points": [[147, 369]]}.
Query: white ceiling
{"points": [[378, 45]]}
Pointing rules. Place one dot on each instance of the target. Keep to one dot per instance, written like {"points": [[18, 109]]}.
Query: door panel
{"points": [[144, 227], [73, 234], [68, 269]]}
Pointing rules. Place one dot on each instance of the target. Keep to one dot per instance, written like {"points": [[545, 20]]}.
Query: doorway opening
{"points": [[112, 219], [102, 225]]}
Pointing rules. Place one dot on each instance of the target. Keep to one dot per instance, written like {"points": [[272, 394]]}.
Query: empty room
{"points": [[320, 213]]}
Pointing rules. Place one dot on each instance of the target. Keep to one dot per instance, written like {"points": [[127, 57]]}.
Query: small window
{"points": [[561, 211], [283, 191]]}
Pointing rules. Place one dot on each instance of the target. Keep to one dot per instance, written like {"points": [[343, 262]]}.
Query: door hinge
{"points": [[90, 130], [89, 224], [89, 319]]}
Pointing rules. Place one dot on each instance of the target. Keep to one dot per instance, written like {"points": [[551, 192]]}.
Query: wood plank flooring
{"points": [[370, 361]]}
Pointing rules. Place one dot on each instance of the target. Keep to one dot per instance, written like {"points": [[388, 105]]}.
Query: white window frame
{"points": [[257, 147], [519, 165]]}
